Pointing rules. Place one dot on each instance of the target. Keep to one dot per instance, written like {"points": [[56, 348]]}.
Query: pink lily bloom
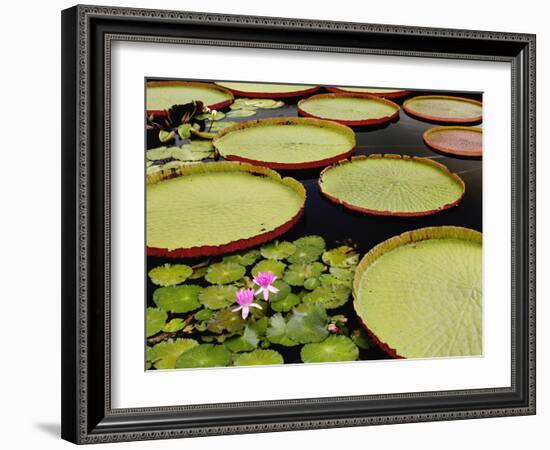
{"points": [[265, 281], [245, 299]]}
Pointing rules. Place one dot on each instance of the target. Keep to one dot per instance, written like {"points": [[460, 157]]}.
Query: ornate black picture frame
{"points": [[87, 35]]}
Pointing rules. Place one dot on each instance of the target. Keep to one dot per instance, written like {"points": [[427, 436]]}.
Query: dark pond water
{"points": [[336, 224]]}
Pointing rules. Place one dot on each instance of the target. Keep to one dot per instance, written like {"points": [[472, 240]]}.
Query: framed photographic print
{"points": [[281, 224]]}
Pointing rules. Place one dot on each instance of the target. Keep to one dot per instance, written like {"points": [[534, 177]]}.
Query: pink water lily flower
{"points": [[265, 281], [245, 299]]}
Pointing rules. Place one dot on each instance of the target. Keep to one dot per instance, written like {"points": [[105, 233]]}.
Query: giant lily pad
{"points": [[419, 294], [267, 90], [178, 299], [258, 358], [164, 354], [219, 207], [204, 355], [286, 143], [442, 108], [377, 92], [333, 349], [162, 95], [349, 109], [462, 141], [170, 274], [392, 185]]}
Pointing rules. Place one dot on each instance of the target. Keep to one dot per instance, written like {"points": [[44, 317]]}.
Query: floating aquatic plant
{"points": [[204, 355], [178, 299], [155, 319], [333, 349], [165, 354], [224, 272], [218, 297], [170, 274], [258, 358], [277, 250]]}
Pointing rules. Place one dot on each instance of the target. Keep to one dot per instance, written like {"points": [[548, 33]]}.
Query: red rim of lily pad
{"points": [[216, 106], [447, 149], [409, 110], [391, 244], [351, 123], [397, 93], [240, 244], [376, 212], [289, 121], [272, 95]]}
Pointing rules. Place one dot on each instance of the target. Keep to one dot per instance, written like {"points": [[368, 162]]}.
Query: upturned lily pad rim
{"points": [[213, 86], [288, 121], [396, 93], [240, 244], [408, 237], [450, 150], [375, 212], [307, 90], [351, 123], [409, 110]]}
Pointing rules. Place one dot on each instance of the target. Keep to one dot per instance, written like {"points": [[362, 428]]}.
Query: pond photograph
{"points": [[302, 224]]}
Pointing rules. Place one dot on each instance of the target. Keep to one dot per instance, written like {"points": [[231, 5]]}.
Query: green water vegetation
{"points": [[195, 323]]}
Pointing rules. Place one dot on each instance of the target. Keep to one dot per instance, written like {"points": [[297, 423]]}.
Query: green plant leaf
{"points": [[297, 274], [204, 355], [286, 304], [333, 349], [148, 362], [187, 153], [226, 320], [204, 314], [174, 325], [361, 339], [198, 272], [184, 131], [269, 265], [156, 318], [308, 249], [243, 258], [170, 274], [178, 299], [311, 241], [218, 297], [277, 250], [277, 331], [201, 146], [259, 325], [224, 272], [164, 354], [308, 323], [328, 296], [258, 358], [244, 343], [241, 113], [166, 136], [218, 126], [311, 283], [159, 153], [343, 257]]}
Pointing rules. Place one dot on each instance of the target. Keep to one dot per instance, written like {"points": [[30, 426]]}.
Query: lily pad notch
{"points": [[292, 199], [263, 90], [319, 107], [344, 146], [388, 331], [224, 97], [355, 206]]}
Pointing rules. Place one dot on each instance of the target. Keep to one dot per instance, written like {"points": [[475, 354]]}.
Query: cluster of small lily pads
{"points": [[243, 308]]}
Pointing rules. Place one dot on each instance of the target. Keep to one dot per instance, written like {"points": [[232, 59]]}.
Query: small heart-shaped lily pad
{"points": [[218, 297], [334, 348], [243, 258], [286, 304], [328, 296], [278, 250], [308, 323], [269, 265], [343, 256], [170, 274], [178, 299], [297, 274], [164, 354], [224, 272], [258, 358], [204, 355], [155, 319], [226, 320]]}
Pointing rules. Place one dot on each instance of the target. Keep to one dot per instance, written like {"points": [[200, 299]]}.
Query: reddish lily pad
{"points": [[443, 108], [462, 141]]}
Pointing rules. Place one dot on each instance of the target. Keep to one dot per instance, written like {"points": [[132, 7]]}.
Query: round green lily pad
{"points": [[159, 153], [420, 293], [343, 257], [277, 250], [204, 355], [226, 320], [174, 325], [164, 354], [178, 299], [267, 90], [297, 274], [392, 185], [307, 323], [377, 92], [224, 272], [162, 95], [349, 109], [218, 297], [246, 342], [333, 349], [456, 140], [244, 258], [329, 296], [170, 274], [276, 332], [286, 304], [219, 207], [155, 319], [286, 143], [258, 358], [308, 249], [241, 113], [443, 108], [269, 265]]}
